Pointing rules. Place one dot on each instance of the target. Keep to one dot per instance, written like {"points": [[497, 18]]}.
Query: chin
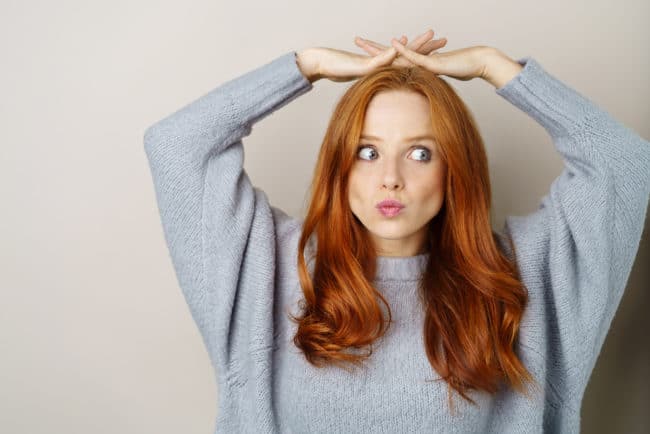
{"points": [[394, 233]]}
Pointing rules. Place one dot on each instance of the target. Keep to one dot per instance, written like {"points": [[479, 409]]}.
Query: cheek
{"points": [[355, 191], [431, 187], [439, 175], [358, 185]]}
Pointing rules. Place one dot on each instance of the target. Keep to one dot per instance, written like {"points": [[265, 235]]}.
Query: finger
{"points": [[409, 54], [429, 46], [386, 57], [374, 47], [366, 46], [426, 48], [378, 47], [421, 39], [370, 45], [415, 44]]}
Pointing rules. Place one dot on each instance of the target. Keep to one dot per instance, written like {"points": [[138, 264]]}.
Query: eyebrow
{"points": [[420, 137]]}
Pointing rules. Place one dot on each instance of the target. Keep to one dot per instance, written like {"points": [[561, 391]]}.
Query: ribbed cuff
{"points": [[557, 107]]}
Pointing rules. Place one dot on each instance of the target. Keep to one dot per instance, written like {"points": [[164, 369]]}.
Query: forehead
{"points": [[397, 113]]}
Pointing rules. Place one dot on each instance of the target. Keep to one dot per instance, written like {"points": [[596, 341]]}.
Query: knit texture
{"points": [[234, 258]]}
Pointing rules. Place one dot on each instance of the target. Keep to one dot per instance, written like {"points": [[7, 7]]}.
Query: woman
{"points": [[427, 300]]}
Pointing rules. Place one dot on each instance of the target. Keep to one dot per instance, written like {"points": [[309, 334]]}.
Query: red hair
{"points": [[472, 291]]}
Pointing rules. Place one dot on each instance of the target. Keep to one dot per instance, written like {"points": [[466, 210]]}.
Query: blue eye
{"points": [[362, 147], [371, 149], [426, 152]]}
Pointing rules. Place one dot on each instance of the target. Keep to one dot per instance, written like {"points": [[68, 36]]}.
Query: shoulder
{"points": [[285, 225]]}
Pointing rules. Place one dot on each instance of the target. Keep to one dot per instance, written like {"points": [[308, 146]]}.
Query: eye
{"points": [[363, 148], [421, 150], [425, 152]]}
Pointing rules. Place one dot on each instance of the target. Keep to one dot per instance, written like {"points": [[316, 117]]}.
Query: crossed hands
{"points": [[338, 65]]}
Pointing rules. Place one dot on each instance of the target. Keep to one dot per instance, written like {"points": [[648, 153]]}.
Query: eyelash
{"points": [[424, 148]]}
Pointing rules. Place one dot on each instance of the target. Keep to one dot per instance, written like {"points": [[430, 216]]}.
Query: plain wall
{"points": [[94, 332]]}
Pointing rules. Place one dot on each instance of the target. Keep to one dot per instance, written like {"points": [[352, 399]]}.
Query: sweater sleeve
{"points": [[576, 251], [220, 230]]}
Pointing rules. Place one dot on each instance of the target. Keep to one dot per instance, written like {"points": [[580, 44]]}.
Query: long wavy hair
{"points": [[474, 298]]}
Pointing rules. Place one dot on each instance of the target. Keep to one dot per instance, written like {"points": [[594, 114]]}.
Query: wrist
{"points": [[499, 69], [307, 62]]}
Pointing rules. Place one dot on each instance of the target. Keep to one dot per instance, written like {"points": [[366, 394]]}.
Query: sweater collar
{"points": [[401, 267]]}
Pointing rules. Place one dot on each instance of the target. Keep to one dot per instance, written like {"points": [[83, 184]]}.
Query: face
{"points": [[392, 164]]}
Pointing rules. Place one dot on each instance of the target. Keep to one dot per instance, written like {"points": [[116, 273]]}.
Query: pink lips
{"points": [[390, 207]]}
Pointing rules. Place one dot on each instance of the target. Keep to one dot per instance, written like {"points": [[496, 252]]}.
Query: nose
{"points": [[392, 177]]}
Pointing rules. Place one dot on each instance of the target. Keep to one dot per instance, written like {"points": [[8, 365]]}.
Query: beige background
{"points": [[94, 332]]}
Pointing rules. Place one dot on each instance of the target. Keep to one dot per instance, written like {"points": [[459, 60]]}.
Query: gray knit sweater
{"points": [[234, 258]]}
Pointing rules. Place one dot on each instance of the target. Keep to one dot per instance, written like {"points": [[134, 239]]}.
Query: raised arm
{"points": [[577, 249], [208, 207]]}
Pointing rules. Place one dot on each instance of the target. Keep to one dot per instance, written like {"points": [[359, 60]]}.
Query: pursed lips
{"points": [[390, 203]]}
